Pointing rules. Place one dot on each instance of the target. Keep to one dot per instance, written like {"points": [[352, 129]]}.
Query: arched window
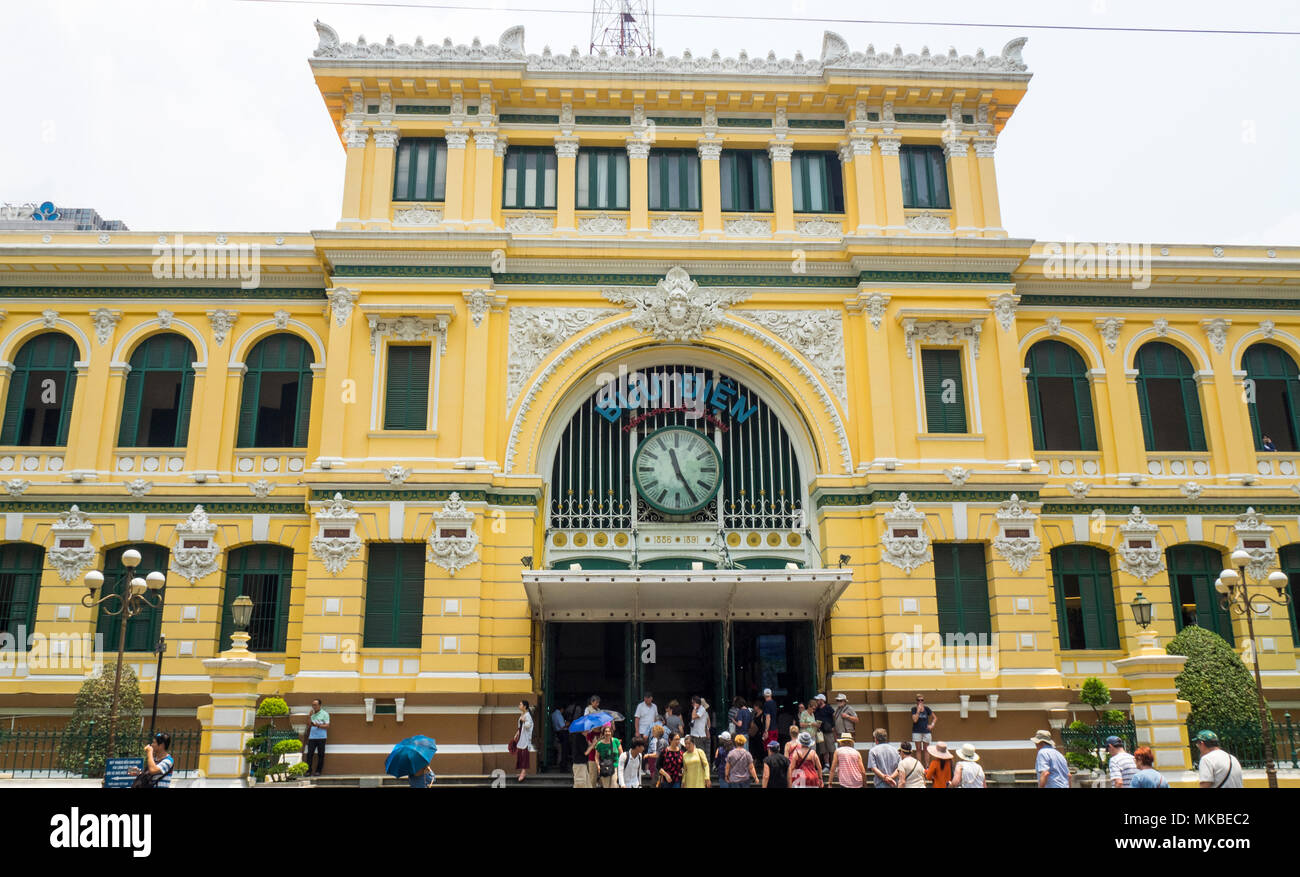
{"points": [[41, 388], [1085, 598], [1060, 400], [159, 388], [1167, 397], [142, 630], [264, 572], [1289, 560], [275, 406], [1273, 396], [1192, 571], [20, 584]]}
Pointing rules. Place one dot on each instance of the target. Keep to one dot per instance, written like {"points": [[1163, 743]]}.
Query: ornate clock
{"points": [[677, 470]]}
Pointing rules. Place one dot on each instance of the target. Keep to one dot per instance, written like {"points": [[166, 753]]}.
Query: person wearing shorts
{"points": [[923, 721]]}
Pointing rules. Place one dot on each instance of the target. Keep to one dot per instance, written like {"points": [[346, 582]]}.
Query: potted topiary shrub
{"points": [[263, 749]]}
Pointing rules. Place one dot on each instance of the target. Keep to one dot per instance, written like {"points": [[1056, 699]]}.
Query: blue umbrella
{"points": [[410, 756], [589, 722]]}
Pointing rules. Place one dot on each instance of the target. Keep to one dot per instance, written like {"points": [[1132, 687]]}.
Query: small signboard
{"points": [[117, 772]]}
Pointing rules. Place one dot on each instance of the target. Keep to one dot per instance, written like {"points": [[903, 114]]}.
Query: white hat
{"points": [[820, 697], [725, 735], [841, 696], [767, 692], [967, 752]]}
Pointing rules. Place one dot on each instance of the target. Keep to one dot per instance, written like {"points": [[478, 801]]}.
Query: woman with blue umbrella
{"points": [[412, 759], [589, 726]]}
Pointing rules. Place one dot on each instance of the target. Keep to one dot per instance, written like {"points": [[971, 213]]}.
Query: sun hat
{"points": [[967, 752], [1206, 737], [1042, 737], [725, 735], [940, 750], [846, 738], [841, 696], [805, 739]]}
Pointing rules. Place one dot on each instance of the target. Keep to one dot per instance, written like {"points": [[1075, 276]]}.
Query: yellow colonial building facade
{"points": [[704, 375]]}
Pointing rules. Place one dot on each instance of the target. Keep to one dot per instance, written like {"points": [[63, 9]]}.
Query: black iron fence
{"points": [[54, 753], [1093, 737], [1247, 743]]}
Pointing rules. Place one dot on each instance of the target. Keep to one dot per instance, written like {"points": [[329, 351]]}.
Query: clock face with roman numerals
{"points": [[677, 470]]}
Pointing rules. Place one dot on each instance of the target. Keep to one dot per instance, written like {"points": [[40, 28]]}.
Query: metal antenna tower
{"points": [[622, 27]]}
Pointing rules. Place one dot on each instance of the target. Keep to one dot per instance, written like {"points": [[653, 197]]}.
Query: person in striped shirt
{"points": [[1122, 765]]}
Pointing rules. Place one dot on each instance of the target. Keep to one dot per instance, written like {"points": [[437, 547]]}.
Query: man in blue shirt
{"points": [[1051, 767], [320, 725]]}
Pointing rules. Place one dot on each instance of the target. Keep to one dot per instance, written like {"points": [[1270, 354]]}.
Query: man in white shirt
{"points": [[646, 714], [1218, 769], [700, 724], [1122, 765]]}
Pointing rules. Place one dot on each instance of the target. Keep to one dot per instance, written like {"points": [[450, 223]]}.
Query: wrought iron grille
{"points": [[591, 474]]}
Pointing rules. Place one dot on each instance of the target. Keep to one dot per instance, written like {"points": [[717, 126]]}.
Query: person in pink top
{"points": [[846, 764]]}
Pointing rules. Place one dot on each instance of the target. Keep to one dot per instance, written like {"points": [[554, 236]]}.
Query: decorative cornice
{"points": [[508, 52], [941, 332]]}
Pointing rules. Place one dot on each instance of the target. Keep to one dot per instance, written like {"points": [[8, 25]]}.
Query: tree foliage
{"points": [[1214, 681], [86, 744]]}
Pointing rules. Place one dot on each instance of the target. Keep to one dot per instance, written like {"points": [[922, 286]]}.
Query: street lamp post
{"points": [[130, 604], [1237, 598]]}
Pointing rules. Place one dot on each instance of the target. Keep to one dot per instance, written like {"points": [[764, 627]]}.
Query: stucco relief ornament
{"points": [[72, 552], [408, 328], [818, 335], [105, 320], [281, 319], [1216, 331], [1139, 550], [195, 554], [677, 309], [906, 544], [1078, 489], [261, 488], [1266, 327], [1014, 520], [165, 319], [417, 216], [139, 487], [397, 474], [16, 486], [941, 332], [453, 544], [1109, 328], [958, 475], [1004, 308], [1263, 559], [876, 308], [222, 320], [1161, 325], [478, 303], [529, 223], [49, 318], [341, 301], [337, 543], [1191, 490], [1054, 325], [535, 333], [928, 223]]}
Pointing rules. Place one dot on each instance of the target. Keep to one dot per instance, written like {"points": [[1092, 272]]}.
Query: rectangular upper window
{"points": [[602, 179], [394, 595], [406, 393], [674, 179], [530, 178], [746, 181], [925, 177], [421, 171], [945, 398], [818, 182], [961, 585]]}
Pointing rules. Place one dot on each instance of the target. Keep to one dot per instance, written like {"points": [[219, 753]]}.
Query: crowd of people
{"points": [[677, 749]]}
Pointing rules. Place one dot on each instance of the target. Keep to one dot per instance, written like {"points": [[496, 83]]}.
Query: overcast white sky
{"points": [[202, 114]]}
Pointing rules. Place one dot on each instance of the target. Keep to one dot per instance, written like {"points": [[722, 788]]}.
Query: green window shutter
{"points": [[1192, 410], [947, 588], [185, 402], [409, 610], [248, 399], [14, 407], [1107, 620], [394, 596], [1144, 408], [264, 571], [1035, 414], [143, 630], [69, 396], [381, 594], [302, 418], [1083, 408], [937, 367], [1060, 557], [129, 432], [20, 582], [971, 566], [1289, 561], [406, 395]]}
